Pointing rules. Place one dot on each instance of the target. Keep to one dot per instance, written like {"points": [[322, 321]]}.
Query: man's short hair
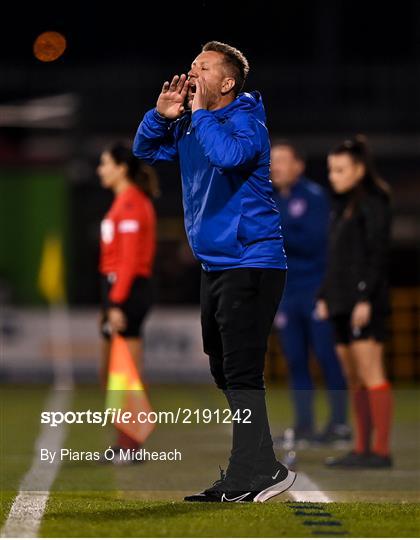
{"points": [[234, 59], [293, 147]]}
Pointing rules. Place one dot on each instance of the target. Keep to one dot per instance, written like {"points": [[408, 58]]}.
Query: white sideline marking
{"points": [[26, 513], [307, 491]]}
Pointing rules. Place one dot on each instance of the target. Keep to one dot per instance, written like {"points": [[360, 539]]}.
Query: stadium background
{"points": [[326, 70]]}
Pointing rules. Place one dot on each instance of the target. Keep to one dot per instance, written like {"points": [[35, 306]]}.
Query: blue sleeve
{"points": [[230, 145], [308, 235], [155, 139]]}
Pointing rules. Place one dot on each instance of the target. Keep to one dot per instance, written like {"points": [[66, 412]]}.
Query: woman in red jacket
{"points": [[127, 251]]}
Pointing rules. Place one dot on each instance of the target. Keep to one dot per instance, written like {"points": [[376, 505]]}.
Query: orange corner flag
{"points": [[125, 391]]}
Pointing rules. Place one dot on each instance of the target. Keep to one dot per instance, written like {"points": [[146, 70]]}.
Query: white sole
{"points": [[276, 489]]}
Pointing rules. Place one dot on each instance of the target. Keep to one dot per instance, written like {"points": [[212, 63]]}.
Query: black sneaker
{"points": [[207, 491], [222, 490], [262, 488], [267, 486], [376, 461], [334, 434], [352, 460]]}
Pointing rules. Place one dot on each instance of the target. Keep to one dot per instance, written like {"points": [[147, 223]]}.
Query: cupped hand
{"points": [[170, 103], [201, 96]]}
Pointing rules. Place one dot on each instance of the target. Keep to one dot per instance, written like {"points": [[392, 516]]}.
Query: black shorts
{"points": [[135, 308], [345, 334], [238, 307]]}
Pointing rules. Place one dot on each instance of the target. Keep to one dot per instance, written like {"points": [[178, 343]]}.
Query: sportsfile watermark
{"points": [[114, 416], [184, 434]]}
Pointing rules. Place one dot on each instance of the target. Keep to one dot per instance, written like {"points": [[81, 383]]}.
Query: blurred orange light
{"points": [[49, 46]]}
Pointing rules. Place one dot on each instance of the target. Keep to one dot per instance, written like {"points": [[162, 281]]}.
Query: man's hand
{"points": [[321, 310], [201, 96], [170, 103], [116, 319], [361, 314]]}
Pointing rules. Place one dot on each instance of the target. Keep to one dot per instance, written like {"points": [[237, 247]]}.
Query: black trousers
{"points": [[237, 310]]}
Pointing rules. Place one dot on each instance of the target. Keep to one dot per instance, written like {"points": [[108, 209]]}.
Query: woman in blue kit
{"points": [[304, 210]]}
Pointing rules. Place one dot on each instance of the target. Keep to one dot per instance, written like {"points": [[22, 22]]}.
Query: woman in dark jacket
{"points": [[355, 296]]}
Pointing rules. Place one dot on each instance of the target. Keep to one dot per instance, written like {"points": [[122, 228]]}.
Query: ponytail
{"points": [[147, 180]]}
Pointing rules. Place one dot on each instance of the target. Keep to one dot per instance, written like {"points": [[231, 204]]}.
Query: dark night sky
{"points": [[297, 32], [311, 60]]}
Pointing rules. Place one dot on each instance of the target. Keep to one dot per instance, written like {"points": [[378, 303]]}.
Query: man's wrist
{"points": [[160, 116]]}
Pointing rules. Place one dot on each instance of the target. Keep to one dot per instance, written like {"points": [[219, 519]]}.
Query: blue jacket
{"points": [[304, 217], [231, 218]]}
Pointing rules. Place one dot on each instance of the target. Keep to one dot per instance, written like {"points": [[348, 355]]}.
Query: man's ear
{"points": [[228, 84], [301, 166]]}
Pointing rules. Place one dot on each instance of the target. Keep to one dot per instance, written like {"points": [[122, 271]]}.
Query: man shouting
{"points": [[233, 227]]}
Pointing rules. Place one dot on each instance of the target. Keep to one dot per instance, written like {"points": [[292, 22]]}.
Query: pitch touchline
{"points": [[307, 491], [28, 508]]}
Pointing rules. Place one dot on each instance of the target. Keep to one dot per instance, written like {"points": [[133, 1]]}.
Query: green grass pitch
{"points": [[146, 500]]}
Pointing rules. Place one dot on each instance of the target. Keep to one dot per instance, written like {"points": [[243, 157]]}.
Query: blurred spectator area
{"points": [[55, 120], [48, 183], [402, 350]]}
